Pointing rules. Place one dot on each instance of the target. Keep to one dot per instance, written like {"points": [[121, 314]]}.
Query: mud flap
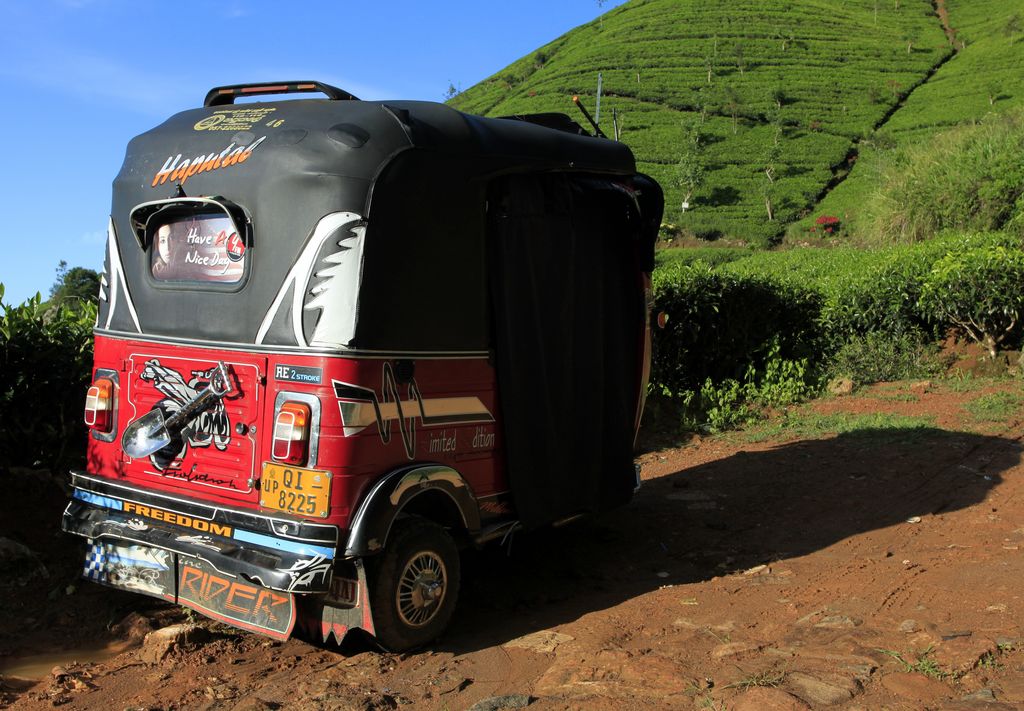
{"points": [[345, 608], [193, 583], [234, 602]]}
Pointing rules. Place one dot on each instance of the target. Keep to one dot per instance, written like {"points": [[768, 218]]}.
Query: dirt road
{"points": [[784, 568]]}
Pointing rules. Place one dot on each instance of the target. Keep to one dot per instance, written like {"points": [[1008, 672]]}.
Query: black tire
{"points": [[413, 584]]}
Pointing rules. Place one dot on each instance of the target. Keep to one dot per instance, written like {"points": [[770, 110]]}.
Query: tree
{"points": [[771, 162], [778, 97], [451, 92], [709, 66], [691, 169], [1012, 27], [75, 286], [741, 63], [733, 104], [786, 37], [704, 102], [993, 93]]}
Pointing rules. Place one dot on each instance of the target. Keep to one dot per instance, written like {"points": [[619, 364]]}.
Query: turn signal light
{"points": [[99, 405], [291, 433]]}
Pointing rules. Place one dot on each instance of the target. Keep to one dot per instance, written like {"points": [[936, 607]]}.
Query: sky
{"points": [[80, 78]]}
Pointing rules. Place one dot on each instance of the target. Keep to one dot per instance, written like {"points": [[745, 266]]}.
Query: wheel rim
{"points": [[421, 589]]}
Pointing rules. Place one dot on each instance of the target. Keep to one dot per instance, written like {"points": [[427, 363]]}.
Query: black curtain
{"points": [[567, 326]]}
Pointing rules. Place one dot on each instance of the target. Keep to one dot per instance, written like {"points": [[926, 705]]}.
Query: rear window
{"points": [[198, 248]]}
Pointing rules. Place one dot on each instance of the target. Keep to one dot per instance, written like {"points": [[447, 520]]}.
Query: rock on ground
{"points": [[496, 703], [162, 642], [915, 687], [822, 690], [543, 642], [962, 654], [767, 699]]}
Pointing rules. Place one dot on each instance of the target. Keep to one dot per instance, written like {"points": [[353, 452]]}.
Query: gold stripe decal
{"points": [[361, 407]]}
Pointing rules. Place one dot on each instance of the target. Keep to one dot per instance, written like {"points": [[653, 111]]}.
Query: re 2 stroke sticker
{"points": [[298, 374]]}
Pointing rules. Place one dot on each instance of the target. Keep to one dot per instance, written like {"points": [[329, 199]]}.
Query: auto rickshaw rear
{"points": [[339, 339]]}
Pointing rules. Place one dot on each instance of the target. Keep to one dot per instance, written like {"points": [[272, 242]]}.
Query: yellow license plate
{"points": [[304, 492]]}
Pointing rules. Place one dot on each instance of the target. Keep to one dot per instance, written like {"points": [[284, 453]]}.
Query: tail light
{"points": [[291, 433], [99, 406]]}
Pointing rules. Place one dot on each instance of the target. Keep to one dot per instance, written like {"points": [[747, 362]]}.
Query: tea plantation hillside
{"points": [[983, 79], [777, 94]]}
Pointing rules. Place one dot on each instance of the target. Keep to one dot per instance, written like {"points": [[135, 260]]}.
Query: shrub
{"points": [[981, 292], [881, 290], [783, 381], [880, 298], [879, 357], [828, 224], [720, 324], [733, 344], [45, 365], [716, 407], [969, 178], [712, 256], [720, 407], [758, 329]]}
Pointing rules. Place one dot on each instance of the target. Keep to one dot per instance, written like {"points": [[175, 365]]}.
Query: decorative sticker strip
{"points": [[179, 171], [236, 119]]}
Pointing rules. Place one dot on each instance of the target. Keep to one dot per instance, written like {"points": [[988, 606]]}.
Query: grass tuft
{"points": [[996, 407], [767, 678], [922, 664], [806, 424]]}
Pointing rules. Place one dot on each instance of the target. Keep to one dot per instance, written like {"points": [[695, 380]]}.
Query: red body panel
{"points": [[222, 459]]}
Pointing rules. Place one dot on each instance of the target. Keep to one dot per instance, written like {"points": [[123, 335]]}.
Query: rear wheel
{"points": [[414, 584]]}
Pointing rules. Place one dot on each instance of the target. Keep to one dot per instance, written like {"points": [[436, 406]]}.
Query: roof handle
{"points": [[221, 95]]}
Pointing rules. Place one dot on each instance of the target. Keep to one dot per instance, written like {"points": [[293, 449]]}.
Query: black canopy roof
{"points": [[411, 175]]}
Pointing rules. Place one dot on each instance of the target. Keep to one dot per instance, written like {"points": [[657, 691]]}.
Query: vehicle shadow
{"points": [[721, 517]]}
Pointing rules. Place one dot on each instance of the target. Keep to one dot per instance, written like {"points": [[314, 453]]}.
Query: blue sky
{"points": [[79, 78]]}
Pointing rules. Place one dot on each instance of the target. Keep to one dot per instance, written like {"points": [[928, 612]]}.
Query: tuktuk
{"points": [[340, 340]]}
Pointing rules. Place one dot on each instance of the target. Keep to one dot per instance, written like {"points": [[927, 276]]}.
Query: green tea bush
{"points": [[761, 330], [719, 324], [880, 298], [712, 256], [981, 292], [860, 291], [45, 367]]}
